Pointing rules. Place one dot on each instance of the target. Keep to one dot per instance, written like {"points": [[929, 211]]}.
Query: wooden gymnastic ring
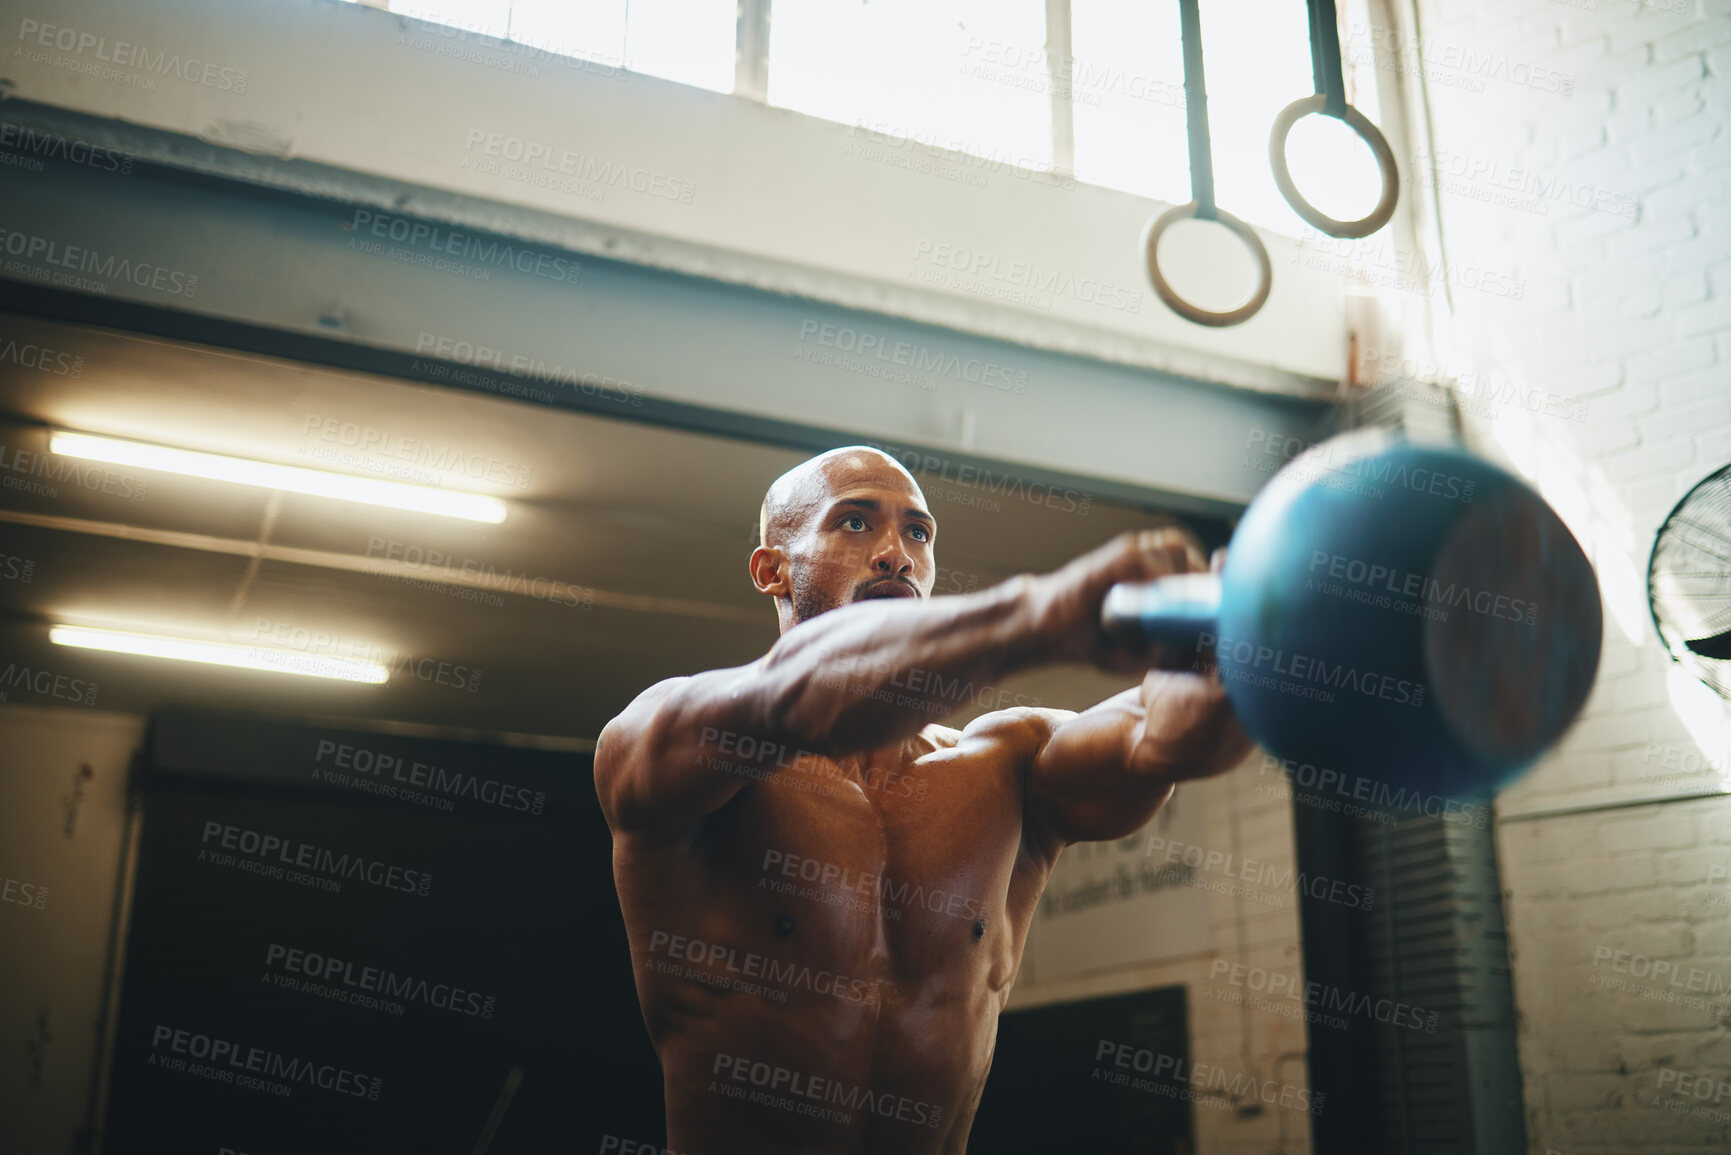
{"points": [[1264, 268], [1370, 134]]}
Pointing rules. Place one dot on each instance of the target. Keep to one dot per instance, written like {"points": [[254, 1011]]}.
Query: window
{"points": [[967, 75], [691, 41], [979, 77]]}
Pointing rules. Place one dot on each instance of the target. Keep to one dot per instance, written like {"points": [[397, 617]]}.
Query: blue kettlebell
{"points": [[1397, 622]]}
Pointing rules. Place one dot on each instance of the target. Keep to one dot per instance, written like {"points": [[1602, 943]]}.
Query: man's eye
{"points": [[854, 521], [921, 533]]}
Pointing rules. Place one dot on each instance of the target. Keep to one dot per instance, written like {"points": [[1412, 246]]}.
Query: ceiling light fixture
{"points": [[238, 655], [395, 494]]}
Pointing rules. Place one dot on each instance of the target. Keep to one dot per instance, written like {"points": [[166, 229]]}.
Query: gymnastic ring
{"points": [[1157, 226], [1369, 133]]}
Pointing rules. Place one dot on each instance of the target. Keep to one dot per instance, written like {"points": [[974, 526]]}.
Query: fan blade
{"points": [[1717, 647]]}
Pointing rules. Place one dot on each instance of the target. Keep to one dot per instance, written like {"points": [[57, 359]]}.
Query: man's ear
{"points": [[769, 571]]}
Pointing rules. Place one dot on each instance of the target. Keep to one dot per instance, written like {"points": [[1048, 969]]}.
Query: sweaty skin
{"points": [[826, 893]]}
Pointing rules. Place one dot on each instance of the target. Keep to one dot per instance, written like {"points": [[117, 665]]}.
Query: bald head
{"points": [[801, 493], [845, 526]]}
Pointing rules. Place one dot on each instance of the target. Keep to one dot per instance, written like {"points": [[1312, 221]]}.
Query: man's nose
{"points": [[891, 560]]}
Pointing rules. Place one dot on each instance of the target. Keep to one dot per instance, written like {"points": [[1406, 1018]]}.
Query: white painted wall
{"points": [[1245, 815], [1627, 326]]}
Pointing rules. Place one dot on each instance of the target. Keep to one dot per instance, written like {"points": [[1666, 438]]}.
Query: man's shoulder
{"points": [[653, 698], [1027, 723]]}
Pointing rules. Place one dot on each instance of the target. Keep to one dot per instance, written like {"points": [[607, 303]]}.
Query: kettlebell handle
{"points": [[1174, 610]]}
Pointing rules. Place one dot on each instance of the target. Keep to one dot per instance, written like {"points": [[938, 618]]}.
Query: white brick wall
{"points": [[1239, 1042], [1632, 316]]}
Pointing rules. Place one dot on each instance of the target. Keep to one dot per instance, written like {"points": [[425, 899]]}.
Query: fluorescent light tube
{"points": [[239, 655], [395, 494]]}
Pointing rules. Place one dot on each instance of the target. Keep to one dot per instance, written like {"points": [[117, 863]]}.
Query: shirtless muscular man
{"points": [[826, 893]]}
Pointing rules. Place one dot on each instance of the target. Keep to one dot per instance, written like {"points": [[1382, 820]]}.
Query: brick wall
{"points": [[1581, 149], [1247, 815]]}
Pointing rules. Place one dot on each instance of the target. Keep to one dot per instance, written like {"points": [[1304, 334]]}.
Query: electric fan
{"points": [[1689, 582]]}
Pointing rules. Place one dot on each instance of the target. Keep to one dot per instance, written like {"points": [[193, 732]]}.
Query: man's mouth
{"points": [[889, 588]]}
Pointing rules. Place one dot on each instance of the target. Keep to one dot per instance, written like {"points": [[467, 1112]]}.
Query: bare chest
{"points": [[907, 863]]}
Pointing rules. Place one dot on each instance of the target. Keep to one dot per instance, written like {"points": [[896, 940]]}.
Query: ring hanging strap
{"points": [[1196, 111], [1330, 100], [1325, 58], [1201, 206]]}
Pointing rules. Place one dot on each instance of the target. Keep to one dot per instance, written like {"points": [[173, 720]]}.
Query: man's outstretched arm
{"points": [[1104, 772], [856, 678]]}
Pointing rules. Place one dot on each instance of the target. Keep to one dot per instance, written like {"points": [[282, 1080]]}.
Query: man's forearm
{"points": [[874, 672]]}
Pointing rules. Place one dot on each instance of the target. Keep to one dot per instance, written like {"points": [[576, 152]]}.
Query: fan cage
{"points": [[1702, 515]]}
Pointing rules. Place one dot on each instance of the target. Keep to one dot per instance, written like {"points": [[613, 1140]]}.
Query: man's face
{"points": [[868, 535]]}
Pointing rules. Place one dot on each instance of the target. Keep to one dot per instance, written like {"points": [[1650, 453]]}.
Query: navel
{"points": [[785, 926], [979, 929]]}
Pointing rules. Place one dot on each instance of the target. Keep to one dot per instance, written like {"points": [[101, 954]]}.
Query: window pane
{"points": [[1129, 108], [968, 75], [690, 41]]}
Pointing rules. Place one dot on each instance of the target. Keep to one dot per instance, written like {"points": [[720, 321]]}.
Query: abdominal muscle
{"points": [[849, 1006]]}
